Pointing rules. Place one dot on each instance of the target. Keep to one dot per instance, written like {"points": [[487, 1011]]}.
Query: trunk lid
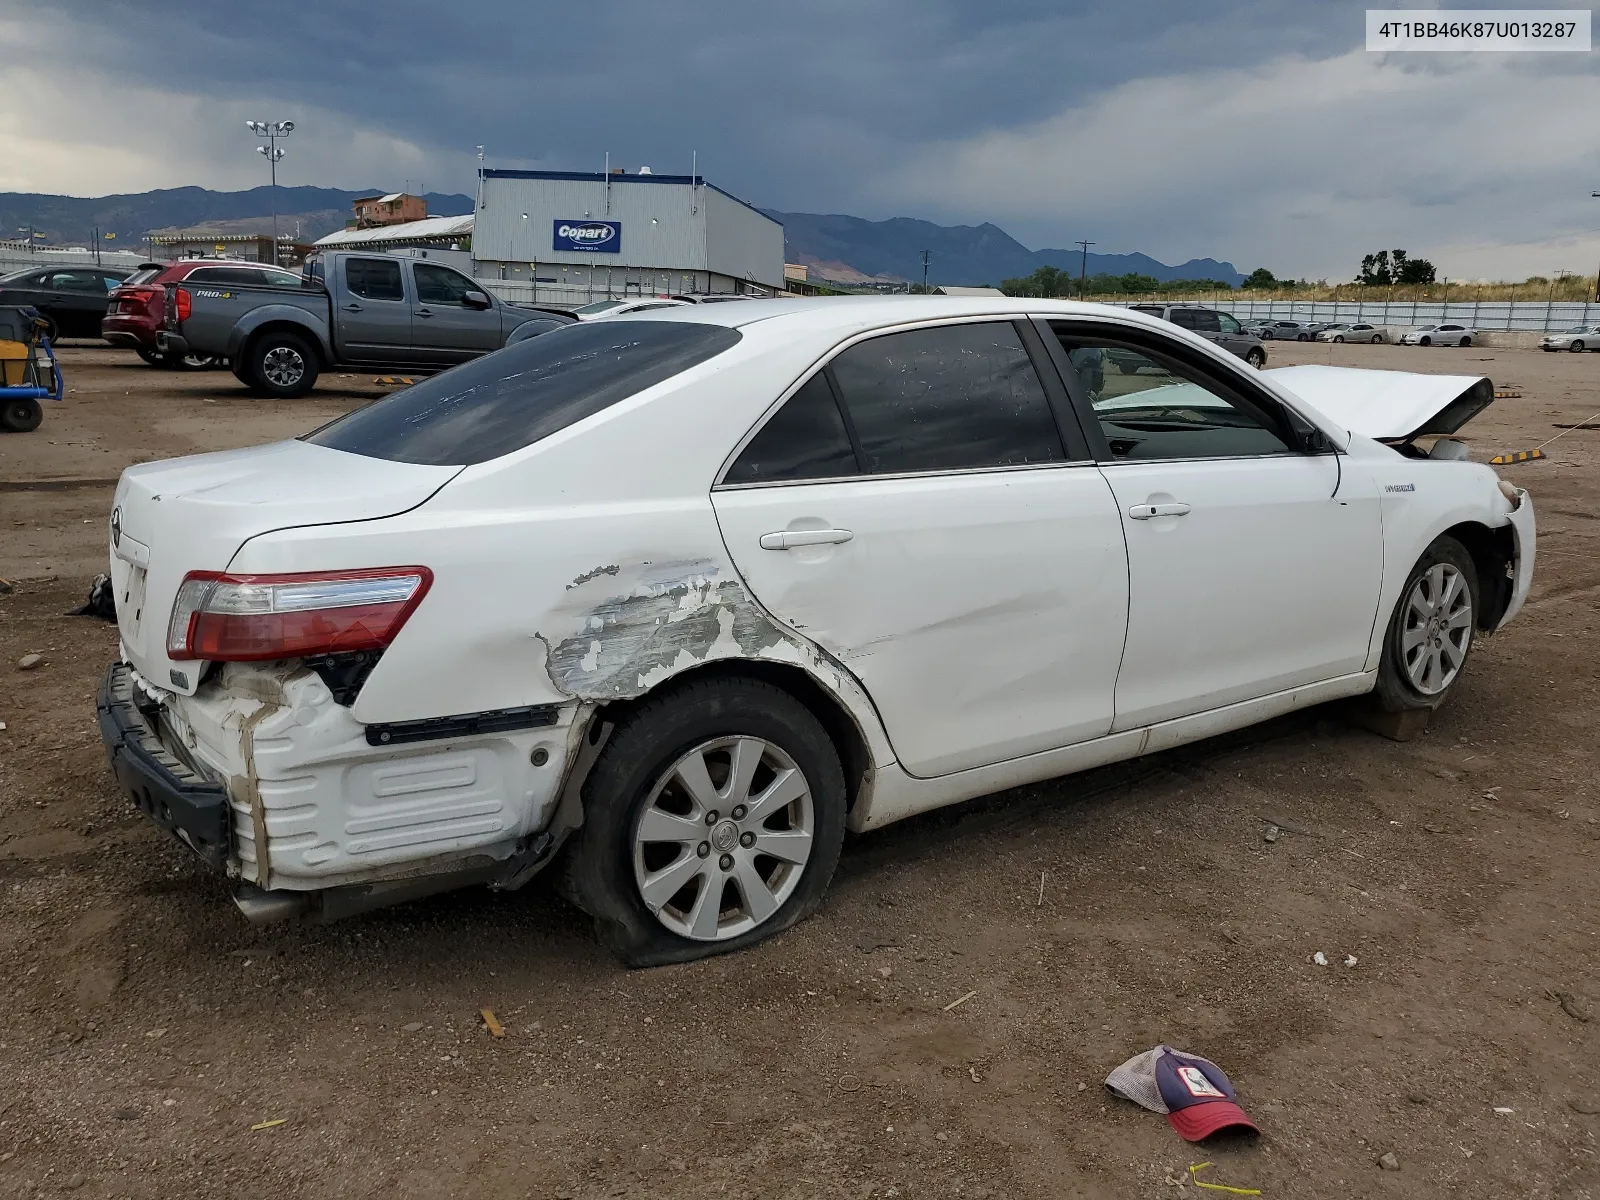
{"points": [[193, 514], [1390, 406]]}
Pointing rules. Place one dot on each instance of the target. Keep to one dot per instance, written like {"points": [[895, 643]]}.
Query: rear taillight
{"points": [[248, 618], [183, 303]]}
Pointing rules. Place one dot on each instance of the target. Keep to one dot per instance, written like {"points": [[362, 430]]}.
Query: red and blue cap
{"points": [[1191, 1091]]}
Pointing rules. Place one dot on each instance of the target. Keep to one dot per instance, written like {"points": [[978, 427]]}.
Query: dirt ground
{"points": [[154, 1045]]}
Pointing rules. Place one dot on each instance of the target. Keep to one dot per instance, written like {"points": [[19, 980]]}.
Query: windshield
{"points": [[516, 396], [1577, 329], [599, 306]]}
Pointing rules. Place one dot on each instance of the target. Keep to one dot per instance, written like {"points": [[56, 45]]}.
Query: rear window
{"points": [[516, 396], [142, 275]]}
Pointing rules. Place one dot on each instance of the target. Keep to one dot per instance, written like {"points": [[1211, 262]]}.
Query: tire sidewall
{"points": [[1394, 690], [20, 416], [600, 874]]}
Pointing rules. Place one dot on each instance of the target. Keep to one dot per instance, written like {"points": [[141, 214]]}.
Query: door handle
{"points": [[790, 538], [352, 308], [1144, 512], [424, 312]]}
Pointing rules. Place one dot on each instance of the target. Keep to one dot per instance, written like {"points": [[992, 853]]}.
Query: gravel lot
{"points": [[147, 1034]]}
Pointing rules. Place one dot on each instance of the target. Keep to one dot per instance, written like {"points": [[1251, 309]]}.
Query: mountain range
{"points": [[836, 246]]}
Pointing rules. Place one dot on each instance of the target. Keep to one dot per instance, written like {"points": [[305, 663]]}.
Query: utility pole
{"points": [[1597, 273], [1083, 268], [925, 255], [272, 131]]}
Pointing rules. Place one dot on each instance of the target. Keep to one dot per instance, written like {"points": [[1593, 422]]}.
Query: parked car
{"points": [[1214, 326], [1358, 331], [683, 596], [1438, 335], [1577, 339], [363, 311], [72, 299], [625, 307], [1289, 331], [713, 297], [1313, 328], [138, 307]]}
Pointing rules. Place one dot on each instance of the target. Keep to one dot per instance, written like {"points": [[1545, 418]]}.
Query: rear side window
{"points": [[374, 278], [1184, 318], [516, 396], [1203, 320], [949, 398], [806, 439]]}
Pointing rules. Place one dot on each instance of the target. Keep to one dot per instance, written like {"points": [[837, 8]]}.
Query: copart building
{"points": [[569, 237]]}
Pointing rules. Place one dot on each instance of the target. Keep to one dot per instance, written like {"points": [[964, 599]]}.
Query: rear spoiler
{"points": [[1389, 406]]}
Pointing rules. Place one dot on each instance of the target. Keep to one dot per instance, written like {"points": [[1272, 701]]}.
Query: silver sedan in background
{"points": [[1577, 339], [1351, 332]]}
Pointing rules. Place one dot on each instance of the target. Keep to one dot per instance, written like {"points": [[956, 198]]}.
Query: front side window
{"points": [[1227, 324], [805, 439], [1151, 407], [441, 285], [374, 278], [512, 398], [953, 397], [76, 281]]}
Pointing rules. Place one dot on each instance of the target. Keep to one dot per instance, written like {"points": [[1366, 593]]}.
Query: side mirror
{"points": [[476, 300]]}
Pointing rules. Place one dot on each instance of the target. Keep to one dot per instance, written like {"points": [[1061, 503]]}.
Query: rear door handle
{"points": [[352, 308], [424, 312], [790, 538], [1144, 512]]}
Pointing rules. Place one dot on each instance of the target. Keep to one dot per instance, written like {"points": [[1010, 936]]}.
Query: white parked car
{"points": [[1577, 339], [1351, 332], [673, 601], [624, 308], [1438, 335]]}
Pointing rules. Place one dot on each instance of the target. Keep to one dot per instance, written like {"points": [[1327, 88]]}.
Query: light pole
{"points": [[273, 153]]}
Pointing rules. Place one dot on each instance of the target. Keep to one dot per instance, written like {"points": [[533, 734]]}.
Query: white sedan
{"points": [[1577, 339], [1351, 332], [672, 601], [1437, 335], [623, 308]]}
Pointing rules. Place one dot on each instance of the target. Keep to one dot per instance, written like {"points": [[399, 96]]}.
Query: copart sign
{"points": [[588, 237]]}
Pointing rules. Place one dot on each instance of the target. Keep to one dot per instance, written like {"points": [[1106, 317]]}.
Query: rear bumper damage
{"points": [[314, 814]]}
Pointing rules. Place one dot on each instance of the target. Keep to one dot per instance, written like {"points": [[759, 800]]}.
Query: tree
{"points": [[1260, 278], [1394, 266]]}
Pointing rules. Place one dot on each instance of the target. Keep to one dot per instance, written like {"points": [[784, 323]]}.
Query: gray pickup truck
{"points": [[358, 311]]}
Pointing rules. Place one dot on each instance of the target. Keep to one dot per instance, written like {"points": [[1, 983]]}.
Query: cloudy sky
{"points": [[1259, 131]]}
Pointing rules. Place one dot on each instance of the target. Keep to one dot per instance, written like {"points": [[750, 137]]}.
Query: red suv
{"points": [[137, 309]]}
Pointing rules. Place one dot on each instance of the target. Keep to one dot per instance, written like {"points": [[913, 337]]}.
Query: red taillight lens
{"points": [[249, 618], [183, 303]]}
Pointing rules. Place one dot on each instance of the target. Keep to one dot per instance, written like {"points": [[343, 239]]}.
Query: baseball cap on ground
{"points": [[1192, 1091]]}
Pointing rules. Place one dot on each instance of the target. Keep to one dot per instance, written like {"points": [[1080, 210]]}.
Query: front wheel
{"points": [[1424, 342], [20, 415], [282, 365], [1256, 357], [1430, 633], [1338, 337], [1265, 335], [713, 819], [1576, 347]]}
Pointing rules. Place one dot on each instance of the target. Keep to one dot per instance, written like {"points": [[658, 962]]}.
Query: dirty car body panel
{"points": [[599, 516]]}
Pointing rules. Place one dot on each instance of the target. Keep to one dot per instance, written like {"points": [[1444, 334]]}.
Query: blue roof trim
{"points": [[601, 177]]}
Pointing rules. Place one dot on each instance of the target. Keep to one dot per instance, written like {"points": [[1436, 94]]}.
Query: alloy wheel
{"points": [[283, 366], [724, 838], [1437, 630]]}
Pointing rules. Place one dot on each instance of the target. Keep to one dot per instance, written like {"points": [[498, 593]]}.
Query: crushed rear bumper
{"points": [[187, 805]]}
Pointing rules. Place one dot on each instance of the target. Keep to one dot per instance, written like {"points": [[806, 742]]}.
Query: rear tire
{"points": [[1431, 630], [636, 786], [1466, 341], [1377, 338], [20, 415], [282, 366]]}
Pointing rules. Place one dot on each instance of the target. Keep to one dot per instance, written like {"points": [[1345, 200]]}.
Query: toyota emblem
{"points": [[116, 526]]}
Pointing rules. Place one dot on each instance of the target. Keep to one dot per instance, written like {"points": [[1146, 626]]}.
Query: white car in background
{"points": [[669, 602], [1351, 332], [624, 308], [1437, 335], [1577, 339]]}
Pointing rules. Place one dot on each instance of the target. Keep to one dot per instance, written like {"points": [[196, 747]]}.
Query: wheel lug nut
{"points": [[713, 817], [703, 849], [747, 840], [726, 862], [738, 812]]}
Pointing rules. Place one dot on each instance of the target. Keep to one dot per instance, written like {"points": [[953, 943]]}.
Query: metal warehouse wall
{"points": [[658, 228], [742, 242]]}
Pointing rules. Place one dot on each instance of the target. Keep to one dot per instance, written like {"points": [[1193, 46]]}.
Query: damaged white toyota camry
{"points": [[671, 601]]}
